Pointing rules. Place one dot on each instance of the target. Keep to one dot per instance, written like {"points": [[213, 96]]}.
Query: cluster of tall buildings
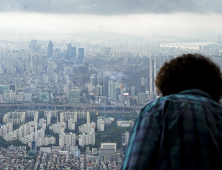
{"points": [[22, 131], [68, 139], [87, 128], [103, 121], [14, 117], [7, 128], [113, 73], [87, 139], [58, 127]]}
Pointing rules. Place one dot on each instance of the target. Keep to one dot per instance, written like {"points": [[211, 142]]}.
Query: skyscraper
{"points": [[12, 87], [218, 39], [152, 67], [105, 86], [71, 51], [81, 54], [50, 49]]}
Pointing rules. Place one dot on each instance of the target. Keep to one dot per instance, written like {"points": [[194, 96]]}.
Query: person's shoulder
{"points": [[153, 106]]}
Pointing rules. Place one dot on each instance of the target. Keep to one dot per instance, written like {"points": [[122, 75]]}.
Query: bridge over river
{"points": [[42, 106]]}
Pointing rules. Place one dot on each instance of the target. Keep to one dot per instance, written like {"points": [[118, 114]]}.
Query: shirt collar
{"points": [[196, 92]]}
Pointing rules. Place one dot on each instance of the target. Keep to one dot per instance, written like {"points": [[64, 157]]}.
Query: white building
{"points": [[24, 132], [58, 127], [36, 117], [71, 124], [126, 138], [61, 117], [100, 124], [14, 117], [42, 123], [152, 66], [88, 117], [87, 139], [88, 128], [67, 139], [108, 146], [65, 116], [49, 117], [51, 112], [5, 129], [28, 97], [81, 115]]}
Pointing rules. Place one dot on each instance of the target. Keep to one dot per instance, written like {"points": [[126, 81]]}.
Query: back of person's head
{"points": [[190, 71]]}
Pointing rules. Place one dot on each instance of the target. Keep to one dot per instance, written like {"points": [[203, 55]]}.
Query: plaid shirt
{"points": [[180, 131]]}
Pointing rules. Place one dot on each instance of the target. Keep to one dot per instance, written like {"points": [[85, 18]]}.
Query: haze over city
{"points": [[75, 74]]}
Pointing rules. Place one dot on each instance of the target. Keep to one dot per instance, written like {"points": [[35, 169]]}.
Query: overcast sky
{"points": [[112, 7], [137, 17]]}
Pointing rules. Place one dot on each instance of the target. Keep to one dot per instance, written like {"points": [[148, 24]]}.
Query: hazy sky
{"points": [[138, 17]]}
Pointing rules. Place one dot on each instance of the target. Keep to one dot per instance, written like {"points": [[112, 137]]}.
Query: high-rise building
{"points": [[112, 86], [12, 87], [100, 124], [44, 97], [71, 51], [71, 124], [58, 127], [81, 54], [126, 138], [136, 78], [49, 117], [99, 90], [152, 67], [74, 96], [50, 49], [125, 141], [93, 80], [105, 86], [67, 139], [87, 128], [88, 117], [76, 153], [42, 123], [34, 46], [218, 39], [86, 139], [141, 98]]}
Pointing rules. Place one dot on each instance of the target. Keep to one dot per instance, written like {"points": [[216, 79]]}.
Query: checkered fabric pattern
{"points": [[179, 131]]}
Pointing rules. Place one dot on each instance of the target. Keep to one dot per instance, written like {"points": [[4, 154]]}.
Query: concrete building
{"points": [[67, 139], [71, 124], [50, 49], [100, 124], [5, 129], [74, 96], [14, 117], [58, 127], [42, 123], [141, 98], [86, 139], [99, 90], [112, 86], [88, 117], [87, 128], [152, 67], [76, 153], [106, 152], [108, 146], [49, 117], [65, 116]]}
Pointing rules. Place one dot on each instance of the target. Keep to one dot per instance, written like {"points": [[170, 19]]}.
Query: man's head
{"points": [[190, 71]]}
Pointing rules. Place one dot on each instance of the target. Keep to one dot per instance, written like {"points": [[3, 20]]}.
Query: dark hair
{"points": [[190, 71]]}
